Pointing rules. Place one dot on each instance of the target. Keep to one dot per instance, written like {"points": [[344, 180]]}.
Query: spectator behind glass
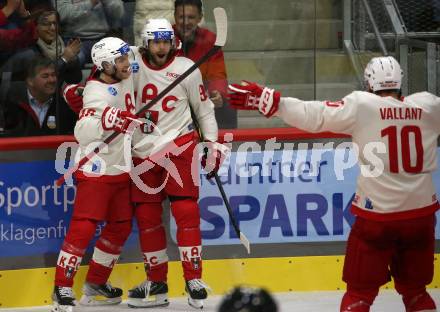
{"points": [[90, 21], [52, 46], [195, 42], [16, 30], [31, 108]]}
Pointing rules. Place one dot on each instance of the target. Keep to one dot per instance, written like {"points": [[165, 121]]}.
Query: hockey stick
{"points": [[244, 240], [221, 24]]}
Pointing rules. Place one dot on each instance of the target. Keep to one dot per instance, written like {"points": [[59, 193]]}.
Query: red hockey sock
{"points": [[80, 233], [191, 258], [358, 299], [189, 239], [420, 302], [107, 251], [152, 238], [156, 265], [351, 303]]}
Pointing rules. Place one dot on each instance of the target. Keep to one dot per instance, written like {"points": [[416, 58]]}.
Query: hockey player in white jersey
{"points": [[395, 200], [103, 184], [169, 122]]}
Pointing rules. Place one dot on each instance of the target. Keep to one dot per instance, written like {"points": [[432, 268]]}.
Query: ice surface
{"points": [[387, 301]]}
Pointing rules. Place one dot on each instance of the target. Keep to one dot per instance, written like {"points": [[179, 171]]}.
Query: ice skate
{"points": [[197, 291], [97, 295], [149, 294], [63, 299]]}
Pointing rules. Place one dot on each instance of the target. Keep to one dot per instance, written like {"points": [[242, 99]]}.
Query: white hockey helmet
{"points": [[107, 50], [383, 73], [158, 29]]}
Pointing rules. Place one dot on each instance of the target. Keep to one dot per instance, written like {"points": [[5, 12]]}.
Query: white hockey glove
{"points": [[117, 120]]}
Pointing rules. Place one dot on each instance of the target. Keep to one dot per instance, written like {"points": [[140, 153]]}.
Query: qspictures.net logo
{"points": [[160, 149]]}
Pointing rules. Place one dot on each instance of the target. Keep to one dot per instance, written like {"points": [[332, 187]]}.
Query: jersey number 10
{"points": [[407, 133]]}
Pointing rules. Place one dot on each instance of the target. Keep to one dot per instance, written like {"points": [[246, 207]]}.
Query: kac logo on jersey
{"points": [[135, 67], [112, 91]]}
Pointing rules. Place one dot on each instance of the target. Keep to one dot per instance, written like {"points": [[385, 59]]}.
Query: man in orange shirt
{"points": [[196, 41]]}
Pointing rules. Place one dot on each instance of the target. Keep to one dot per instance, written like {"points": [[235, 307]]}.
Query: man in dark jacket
{"points": [[31, 107]]}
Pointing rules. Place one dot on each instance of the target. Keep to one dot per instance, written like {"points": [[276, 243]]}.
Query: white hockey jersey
{"points": [[397, 138], [170, 118], [115, 158]]}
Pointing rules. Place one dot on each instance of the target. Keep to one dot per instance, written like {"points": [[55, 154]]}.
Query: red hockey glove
{"points": [[214, 154], [252, 96], [115, 119], [72, 93]]}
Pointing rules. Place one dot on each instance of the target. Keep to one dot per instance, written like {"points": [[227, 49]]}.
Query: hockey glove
{"points": [[115, 119], [252, 96], [72, 94], [214, 154]]}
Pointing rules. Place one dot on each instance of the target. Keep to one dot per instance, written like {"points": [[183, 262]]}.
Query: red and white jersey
{"points": [[89, 131], [396, 137], [170, 118]]}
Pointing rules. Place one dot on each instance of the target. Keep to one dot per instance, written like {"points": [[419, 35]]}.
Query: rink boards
{"points": [[295, 214]]}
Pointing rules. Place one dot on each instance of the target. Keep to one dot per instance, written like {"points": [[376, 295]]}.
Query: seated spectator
{"points": [[17, 31], [90, 21], [31, 107], [196, 41]]}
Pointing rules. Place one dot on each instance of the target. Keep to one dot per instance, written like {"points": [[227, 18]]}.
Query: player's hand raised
{"points": [[252, 96], [72, 94]]}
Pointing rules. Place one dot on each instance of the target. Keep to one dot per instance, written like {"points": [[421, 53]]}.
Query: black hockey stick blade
{"points": [[222, 32]]}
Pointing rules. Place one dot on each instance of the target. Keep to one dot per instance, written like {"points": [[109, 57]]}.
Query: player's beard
{"points": [[157, 61]]}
